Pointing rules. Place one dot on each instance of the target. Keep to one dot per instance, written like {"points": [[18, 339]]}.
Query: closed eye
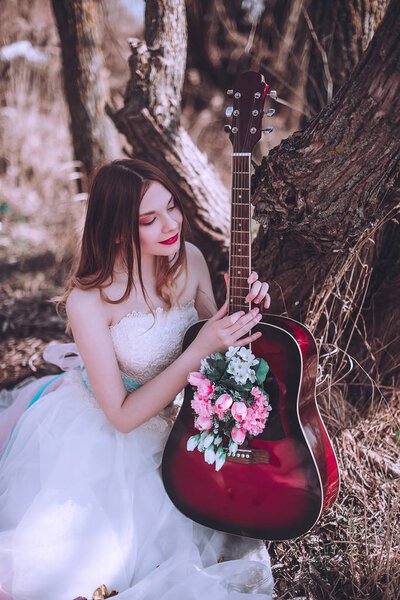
{"points": [[171, 207], [148, 222]]}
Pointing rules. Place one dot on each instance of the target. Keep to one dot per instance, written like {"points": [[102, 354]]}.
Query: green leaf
{"points": [[262, 370]]}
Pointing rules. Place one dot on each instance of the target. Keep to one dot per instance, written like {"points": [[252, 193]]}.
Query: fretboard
{"points": [[240, 246]]}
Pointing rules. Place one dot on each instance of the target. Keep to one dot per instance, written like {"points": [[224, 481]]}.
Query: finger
{"points": [[245, 318], [254, 291], [233, 318], [262, 293], [245, 323], [248, 339], [267, 301], [253, 277]]}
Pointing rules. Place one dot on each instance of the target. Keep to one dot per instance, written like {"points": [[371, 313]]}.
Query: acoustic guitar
{"points": [[277, 487]]}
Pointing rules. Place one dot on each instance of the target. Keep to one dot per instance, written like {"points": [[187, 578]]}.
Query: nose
{"points": [[169, 223]]}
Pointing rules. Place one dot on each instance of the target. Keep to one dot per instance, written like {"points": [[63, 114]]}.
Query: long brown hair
{"points": [[112, 229]]}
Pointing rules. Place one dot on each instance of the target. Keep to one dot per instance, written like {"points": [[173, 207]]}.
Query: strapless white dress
{"points": [[82, 504]]}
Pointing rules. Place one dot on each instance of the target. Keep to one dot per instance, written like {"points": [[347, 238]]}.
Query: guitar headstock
{"points": [[248, 110]]}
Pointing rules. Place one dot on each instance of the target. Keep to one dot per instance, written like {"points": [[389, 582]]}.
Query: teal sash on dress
{"points": [[42, 389], [67, 357]]}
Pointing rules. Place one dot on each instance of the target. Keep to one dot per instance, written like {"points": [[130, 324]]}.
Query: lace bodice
{"points": [[144, 346]]}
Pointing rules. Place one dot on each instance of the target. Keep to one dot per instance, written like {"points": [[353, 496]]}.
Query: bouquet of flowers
{"points": [[229, 406]]}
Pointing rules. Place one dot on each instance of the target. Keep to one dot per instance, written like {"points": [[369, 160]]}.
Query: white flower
{"points": [[242, 373], [231, 351], [220, 458], [246, 354], [233, 447], [192, 442], [204, 366], [241, 379], [252, 375], [209, 455], [234, 363], [218, 440], [208, 440], [203, 436]]}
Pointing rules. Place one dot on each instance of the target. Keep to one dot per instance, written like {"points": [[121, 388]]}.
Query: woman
{"points": [[81, 499]]}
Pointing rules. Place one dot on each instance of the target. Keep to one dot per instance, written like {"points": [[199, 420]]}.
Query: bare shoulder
{"points": [[82, 303], [194, 255]]}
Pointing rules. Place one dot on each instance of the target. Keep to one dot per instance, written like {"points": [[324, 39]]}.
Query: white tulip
{"points": [[192, 442], [203, 436], [208, 440], [209, 455], [220, 458]]}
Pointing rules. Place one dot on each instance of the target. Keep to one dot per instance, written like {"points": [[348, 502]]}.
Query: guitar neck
{"points": [[240, 246]]}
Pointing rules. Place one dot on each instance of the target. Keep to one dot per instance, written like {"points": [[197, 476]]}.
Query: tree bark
{"points": [[339, 32], [93, 135], [150, 121], [323, 192]]}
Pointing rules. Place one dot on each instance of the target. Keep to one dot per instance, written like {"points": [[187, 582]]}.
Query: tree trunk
{"points": [[150, 121], [323, 192], [339, 31], [93, 135]]}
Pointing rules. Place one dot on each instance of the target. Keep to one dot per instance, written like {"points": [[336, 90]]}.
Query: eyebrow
{"points": [[151, 212]]}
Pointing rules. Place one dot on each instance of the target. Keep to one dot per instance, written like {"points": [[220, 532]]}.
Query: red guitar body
{"points": [[282, 497], [276, 487]]}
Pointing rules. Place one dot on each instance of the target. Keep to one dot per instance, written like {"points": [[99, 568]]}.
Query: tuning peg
{"points": [[270, 112], [229, 93], [229, 111], [227, 128], [268, 129], [272, 94]]}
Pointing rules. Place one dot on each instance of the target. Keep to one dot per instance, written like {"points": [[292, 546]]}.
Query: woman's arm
{"points": [[89, 325]]}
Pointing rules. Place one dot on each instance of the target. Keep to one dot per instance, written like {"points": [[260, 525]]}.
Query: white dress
{"points": [[82, 504]]}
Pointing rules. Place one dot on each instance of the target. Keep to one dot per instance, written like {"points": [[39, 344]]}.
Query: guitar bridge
{"points": [[248, 456]]}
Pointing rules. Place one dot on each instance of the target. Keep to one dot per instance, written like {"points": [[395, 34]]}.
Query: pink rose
{"points": [[222, 404], [201, 406], [204, 386], [238, 435], [203, 423], [195, 377], [239, 410]]}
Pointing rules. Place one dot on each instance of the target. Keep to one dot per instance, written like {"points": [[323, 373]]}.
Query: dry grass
{"points": [[353, 552]]}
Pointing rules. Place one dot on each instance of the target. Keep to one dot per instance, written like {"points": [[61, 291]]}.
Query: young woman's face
{"points": [[160, 222]]}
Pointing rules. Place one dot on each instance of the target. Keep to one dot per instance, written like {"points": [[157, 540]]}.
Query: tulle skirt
{"points": [[82, 504]]}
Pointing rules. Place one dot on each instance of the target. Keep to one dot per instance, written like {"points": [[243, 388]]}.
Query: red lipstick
{"points": [[171, 240]]}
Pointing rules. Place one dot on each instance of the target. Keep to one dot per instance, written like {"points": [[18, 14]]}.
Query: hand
{"points": [[258, 291], [222, 331]]}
